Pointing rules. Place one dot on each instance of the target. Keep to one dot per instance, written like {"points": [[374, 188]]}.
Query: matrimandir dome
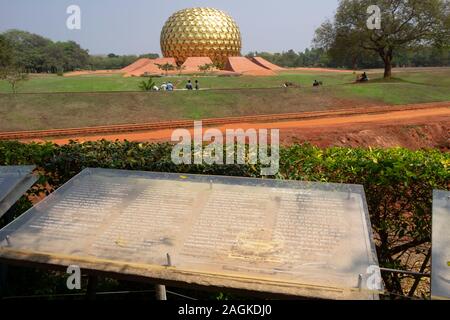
{"points": [[201, 32]]}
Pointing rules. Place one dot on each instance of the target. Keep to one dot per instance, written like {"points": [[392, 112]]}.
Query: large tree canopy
{"points": [[6, 52], [35, 53], [405, 24]]}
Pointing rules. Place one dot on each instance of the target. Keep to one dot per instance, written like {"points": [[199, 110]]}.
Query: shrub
{"points": [[147, 85]]}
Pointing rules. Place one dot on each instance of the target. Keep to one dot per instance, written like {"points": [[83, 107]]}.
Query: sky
{"points": [[134, 26]]}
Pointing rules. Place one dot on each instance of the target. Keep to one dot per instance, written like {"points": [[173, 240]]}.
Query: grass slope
{"points": [[230, 96]]}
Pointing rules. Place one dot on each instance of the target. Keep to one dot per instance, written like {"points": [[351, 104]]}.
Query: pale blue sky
{"points": [[133, 26]]}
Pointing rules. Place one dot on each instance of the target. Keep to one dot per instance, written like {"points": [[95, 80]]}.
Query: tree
{"points": [[219, 65], [6, 52], [344, 52], [34, 53], [166, 67], [54, 58], [29, 49], [206, 67], [14, 76], [74, 57], [404, 24]]}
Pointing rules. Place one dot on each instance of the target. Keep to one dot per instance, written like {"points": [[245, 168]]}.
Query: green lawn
{"points": [[49, 106], [95, 83], [404, 88]]}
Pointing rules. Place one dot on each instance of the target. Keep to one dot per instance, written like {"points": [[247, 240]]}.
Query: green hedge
{"points": [[398, 182]]}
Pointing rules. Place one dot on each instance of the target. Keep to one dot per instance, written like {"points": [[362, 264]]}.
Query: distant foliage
{"points": [[113, 61], [291, 59], [398, 182], [36, 54], [358, 59]]}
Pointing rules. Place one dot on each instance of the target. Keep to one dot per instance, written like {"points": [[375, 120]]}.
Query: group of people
{"points": [[168, 86], [190, 86], [291, 84], [164, 87]]}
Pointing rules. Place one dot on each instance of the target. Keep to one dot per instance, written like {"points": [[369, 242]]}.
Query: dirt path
{"points": [[410, 126], [171, 124]]}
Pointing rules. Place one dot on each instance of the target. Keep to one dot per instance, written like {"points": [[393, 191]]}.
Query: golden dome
{"points": [[201, 32]]}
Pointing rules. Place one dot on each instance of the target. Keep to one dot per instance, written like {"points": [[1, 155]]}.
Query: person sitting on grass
{"points": [[189, 85], [164, 87], [289, 84], [363, 78], [316, 83], [169, 86]]}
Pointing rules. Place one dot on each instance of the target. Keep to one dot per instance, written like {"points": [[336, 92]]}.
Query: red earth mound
{"points": [[266, 64], [245, 66], [136, 65], [151, 68], [192, 64]]}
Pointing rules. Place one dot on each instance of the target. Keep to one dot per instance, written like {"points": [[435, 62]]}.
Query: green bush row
{"points": [[398, 182]]}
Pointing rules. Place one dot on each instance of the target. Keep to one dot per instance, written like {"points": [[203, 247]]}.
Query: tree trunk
{"points": [[355, 63], [387, 68], [387, 59]]}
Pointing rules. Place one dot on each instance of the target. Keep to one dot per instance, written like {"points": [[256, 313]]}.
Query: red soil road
{"points": [[408, 126], [245, 66], [171, 124]]}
